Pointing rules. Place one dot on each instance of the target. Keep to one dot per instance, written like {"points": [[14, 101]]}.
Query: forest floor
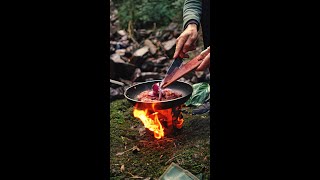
{"points": [[134, 154]]}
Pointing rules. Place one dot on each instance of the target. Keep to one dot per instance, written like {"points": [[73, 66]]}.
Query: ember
{"points": [[160, 122]]}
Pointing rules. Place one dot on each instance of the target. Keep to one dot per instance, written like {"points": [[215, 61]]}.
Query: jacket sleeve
{"points": [[192, 12]]}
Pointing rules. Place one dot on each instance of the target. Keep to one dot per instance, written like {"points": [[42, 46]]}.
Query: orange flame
{"points": [[153, 124], [179, 123]]}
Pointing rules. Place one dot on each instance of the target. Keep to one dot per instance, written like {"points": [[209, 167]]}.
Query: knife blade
{"points": [[174, 67]]}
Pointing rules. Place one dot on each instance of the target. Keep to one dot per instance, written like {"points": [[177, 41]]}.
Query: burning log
{"points": [[160, 122]]}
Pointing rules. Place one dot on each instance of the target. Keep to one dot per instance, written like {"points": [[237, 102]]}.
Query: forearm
{"points": [[192, 12]]}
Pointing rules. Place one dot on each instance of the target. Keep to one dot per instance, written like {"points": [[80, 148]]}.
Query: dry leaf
{"points": [[122, 168]]}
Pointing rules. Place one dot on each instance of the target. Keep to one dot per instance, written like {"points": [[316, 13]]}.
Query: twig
{"points": [[171, 159], [134, 176], [116, 82], [120, 153]]}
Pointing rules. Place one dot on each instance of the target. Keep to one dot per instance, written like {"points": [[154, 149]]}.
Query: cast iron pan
{"points": [[184, 88]]}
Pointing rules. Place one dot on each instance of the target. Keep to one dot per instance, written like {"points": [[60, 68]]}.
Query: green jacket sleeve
{"points": [[192, 11]]}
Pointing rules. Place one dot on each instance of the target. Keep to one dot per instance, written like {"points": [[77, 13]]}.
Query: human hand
{"points": [[205, 62], [186, 41]]}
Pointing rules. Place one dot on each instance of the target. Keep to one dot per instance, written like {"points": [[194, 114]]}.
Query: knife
{"points": [[177, 73], [173, 68]]}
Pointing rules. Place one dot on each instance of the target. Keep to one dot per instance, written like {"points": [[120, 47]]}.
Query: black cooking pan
{"points": [[132, 92]]}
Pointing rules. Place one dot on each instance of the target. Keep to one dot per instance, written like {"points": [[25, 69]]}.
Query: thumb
{"points": [[205, 63]]}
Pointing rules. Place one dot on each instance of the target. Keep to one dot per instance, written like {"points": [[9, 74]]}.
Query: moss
{"points": [[189, 147]]}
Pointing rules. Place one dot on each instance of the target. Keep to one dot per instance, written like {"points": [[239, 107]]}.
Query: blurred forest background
{"points": [[142, 42]]}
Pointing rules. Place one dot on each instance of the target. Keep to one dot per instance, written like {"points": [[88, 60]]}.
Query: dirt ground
{"points": [[137, 154]]}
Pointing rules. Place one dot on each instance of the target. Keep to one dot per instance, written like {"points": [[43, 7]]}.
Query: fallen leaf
{"points": [[122, 168]]}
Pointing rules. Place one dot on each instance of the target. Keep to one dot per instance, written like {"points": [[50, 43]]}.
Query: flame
{"points": [[153, 124], [179, 123]]}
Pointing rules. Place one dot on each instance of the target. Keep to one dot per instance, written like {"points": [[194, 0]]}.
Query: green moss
{"points": [[189, 148]]}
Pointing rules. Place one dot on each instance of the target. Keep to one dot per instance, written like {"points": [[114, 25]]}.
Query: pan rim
{"points": [[158, 102]]}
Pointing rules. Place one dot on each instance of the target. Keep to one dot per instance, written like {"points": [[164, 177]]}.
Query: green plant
{"points": [[144, 12]]}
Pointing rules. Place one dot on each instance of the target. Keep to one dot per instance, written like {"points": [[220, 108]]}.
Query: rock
{"points": [[199, 74], [121, 52], [141, 52], [119, 68], [115, 93], [169, 46], [148, 76], [152, 47], [139, 56], [148, 65], [126, 82], [160, 60], [124, 38], [129, 49], [194, 79], [176, 33], [165, 36], [122, 32], [204, 108], [136, 74], [112, 70], [172, 26], [116, 58]]}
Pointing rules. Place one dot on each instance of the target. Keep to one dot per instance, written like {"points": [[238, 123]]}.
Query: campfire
{"points": [[160, 122]]}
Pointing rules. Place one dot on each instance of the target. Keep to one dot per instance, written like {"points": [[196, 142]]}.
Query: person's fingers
{"points": [[193, 47], [180, 42], [205, 63], [190, 41], [183, 55]]}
